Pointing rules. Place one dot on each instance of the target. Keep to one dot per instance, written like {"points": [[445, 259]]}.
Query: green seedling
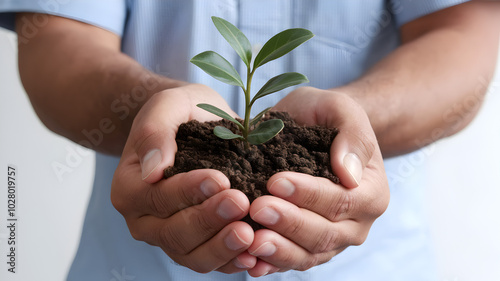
{"points": [[252, 131]]}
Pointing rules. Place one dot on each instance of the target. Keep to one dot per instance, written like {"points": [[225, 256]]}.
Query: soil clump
{"points": [[303, 149]]}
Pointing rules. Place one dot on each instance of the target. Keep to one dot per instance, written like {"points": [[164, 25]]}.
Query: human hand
{"points": [[194, 217], [311, 219]]}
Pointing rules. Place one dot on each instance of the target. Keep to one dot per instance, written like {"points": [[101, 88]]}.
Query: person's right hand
{"points": [[194, 217]]}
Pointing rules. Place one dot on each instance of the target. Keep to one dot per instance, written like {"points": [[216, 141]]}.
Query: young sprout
{"points": [[252, 130]]}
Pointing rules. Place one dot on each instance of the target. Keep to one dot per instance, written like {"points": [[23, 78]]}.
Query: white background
{"points": [[463, 191], [50, 209]]}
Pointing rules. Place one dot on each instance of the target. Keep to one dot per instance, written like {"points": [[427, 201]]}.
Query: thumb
{"points": [[156, 152], [153, 135], [155, 127], [354, 146], [351, 153]]}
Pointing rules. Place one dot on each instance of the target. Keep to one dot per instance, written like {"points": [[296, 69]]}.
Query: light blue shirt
{"points": [[351, 35]]}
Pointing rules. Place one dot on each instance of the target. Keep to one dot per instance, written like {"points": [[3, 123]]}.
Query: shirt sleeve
{"points": [[107, 14], [407, 10]]}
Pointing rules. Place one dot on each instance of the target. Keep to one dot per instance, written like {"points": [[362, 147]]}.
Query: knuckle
{"points": [[204, 224], [146, 130], [376, 204], [136, 234], [118, 200], [368, 146], [377, 209], [118, 203], [143, 133], [380, 204], [312, 198], [187, 195], [289, 258], [172, 241], [187, 213], [157, 202], [344, 205], [358, 240], [327, 241], [365, 142], [296, 225]]}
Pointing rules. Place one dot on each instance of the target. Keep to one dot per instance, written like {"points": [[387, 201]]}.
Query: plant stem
{"points": [[246, 123]]}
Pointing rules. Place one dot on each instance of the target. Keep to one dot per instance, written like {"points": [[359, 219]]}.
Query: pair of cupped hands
{"points": [[195, 217]]}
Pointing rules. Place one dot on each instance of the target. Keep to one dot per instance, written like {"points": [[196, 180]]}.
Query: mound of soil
{"points": [[296, 148]]}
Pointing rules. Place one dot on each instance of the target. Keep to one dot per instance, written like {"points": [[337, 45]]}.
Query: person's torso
{"points": [[350, 36]]}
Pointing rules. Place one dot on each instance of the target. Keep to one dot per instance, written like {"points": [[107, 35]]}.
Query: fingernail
{"points": [[210, 187], [353, 165], [234, 242], [266, 216], [265, 250], [228, 209], [150, 162], [282, 188]]}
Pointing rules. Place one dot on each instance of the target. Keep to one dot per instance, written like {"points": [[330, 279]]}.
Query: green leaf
{"points": [[257, 117], [225, 133], [279, 83], [218, 67], [265, 131], [235, 38], [280, 44], [219, 112]]}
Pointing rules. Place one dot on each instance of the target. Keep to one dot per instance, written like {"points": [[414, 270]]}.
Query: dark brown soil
{"points": [[297, 148]]}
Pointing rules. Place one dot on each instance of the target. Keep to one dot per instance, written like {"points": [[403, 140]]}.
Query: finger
{"points": [[154, 128], [319, 195], [307, 229], [220, 250], [242, 262], [166, 197], [263, 268], [355, 143], [193, 226], [153, 134], [277, 253]]}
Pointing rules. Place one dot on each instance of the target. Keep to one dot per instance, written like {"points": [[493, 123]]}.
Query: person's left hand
{"points": [[310, 219]]}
